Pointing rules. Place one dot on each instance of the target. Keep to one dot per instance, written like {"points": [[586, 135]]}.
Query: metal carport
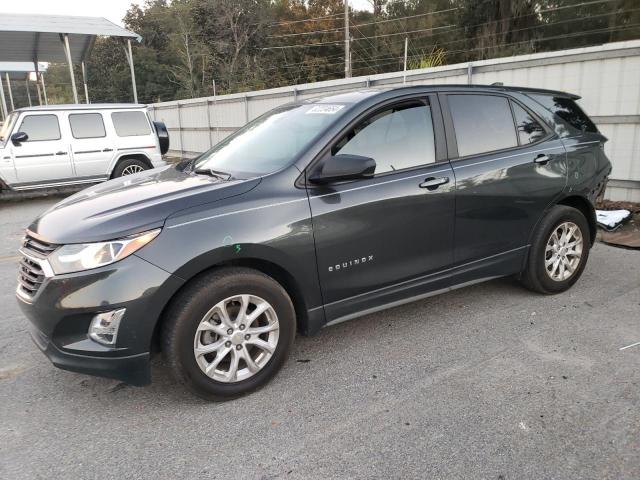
{"points": [[18, 71], [58, 38]]}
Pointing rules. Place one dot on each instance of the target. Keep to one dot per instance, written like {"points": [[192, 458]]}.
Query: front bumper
{"points": [[132, 369], [61, 311]]}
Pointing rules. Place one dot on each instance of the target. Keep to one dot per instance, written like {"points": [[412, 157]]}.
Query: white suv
{"points": [[61, 145]]}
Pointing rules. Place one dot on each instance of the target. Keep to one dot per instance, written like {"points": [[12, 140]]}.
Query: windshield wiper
{"points": [[214, 173]]}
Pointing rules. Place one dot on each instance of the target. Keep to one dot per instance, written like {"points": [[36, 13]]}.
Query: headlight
{"points": [[84, 256]]}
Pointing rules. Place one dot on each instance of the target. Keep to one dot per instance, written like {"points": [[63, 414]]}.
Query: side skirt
{"points": [[61, 183], [489, 268]]}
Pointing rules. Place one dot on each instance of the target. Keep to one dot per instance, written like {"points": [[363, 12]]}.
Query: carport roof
{"points": [[26, 38], [19, 70]]}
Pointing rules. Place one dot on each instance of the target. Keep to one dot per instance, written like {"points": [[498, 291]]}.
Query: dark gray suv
{"points": [[313, 214]]}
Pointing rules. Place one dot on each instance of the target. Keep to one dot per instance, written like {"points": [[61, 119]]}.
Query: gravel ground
{"points": [[490, 381]]}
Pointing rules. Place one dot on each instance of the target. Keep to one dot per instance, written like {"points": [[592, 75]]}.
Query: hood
{"points": [[131, 204]]}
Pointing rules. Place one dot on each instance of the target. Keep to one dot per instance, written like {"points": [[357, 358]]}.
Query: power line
{"points": [[514, 30], [397, 59], [315, 19], [555, 37], [315, 32], [536, 13], [407, 17], [448, 26], [339, 29]]}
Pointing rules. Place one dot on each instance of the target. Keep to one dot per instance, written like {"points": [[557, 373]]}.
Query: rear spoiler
{"points": [[555, 93]]}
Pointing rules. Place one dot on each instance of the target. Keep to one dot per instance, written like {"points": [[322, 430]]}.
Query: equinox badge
{"points": [[351, 263]]}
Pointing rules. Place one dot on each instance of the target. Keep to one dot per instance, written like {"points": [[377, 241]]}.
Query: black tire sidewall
{"points": [[202, 299], [126, 163], [558, 215]]}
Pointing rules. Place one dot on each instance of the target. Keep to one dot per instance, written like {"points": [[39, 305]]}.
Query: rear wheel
{"points": [[559, 251], [129, 166], [228, 332]]}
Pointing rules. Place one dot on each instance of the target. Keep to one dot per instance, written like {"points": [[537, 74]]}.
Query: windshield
{"points": [[270, 142], [7, 126]]}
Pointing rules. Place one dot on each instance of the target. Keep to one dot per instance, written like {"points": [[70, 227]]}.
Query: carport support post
{"points": [[10, 92], [129, 54], [26, 84], [67, 51], [84, 80], [4, 101], [39, 93], [44, 89]]}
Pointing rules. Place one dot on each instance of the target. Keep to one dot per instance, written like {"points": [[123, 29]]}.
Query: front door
{"points": [[44, 157], [380, 240], [91, 147]]}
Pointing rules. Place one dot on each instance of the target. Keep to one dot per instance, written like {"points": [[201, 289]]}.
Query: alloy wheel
{"points": [[131, 169], [236, 338], [563, 251]]}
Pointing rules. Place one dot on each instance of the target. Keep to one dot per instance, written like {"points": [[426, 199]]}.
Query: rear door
{"points": [[509, 166], [380, 240], [44, 157], [133, 133], [92, 148]]}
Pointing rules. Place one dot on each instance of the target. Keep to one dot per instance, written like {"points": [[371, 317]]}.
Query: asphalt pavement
{"points": [[490, 381]]}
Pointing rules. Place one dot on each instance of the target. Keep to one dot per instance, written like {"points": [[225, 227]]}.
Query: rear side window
{"points": [[529, 130], [130, 124], [568, 110], [397, 138], [86, 125], [483, 123], [40, 127]]}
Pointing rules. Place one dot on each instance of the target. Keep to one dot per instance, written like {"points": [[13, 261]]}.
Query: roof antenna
{"points": [[497, 84]]}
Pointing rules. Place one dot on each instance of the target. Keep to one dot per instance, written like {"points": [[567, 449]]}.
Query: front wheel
{"points": [[129, 166], [559, 251], [228, 332]]}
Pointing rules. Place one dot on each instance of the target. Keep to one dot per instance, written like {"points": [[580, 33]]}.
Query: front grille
{"points": [[30, 272], [38, 246], [30, 276]]}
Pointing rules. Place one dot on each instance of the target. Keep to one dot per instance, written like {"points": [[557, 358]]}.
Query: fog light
{"points": [[104, 327]]}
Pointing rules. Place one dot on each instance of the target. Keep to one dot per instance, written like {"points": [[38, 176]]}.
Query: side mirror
{"points": [[344, 167], [18, 138]]}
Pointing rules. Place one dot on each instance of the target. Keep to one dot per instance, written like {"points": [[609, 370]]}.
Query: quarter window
{"points": [[130, 124], [397, 138], [86, 125], [568, 110], [529, 130], [40, 127], [483, 123]]}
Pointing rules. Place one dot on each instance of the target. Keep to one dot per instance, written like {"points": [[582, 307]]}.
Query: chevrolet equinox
{"points": [[314, 213]]}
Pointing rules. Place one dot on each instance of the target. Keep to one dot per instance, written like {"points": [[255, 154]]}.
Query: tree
{"points": [[254, 44]]}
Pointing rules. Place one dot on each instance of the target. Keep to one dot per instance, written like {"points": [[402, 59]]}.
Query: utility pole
{"points": [[347, 42], [406, 45]]}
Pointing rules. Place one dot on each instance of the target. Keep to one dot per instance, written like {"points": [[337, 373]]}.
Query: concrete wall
{"points": [[607, 77]]}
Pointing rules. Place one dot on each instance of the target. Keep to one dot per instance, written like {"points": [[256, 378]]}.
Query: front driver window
{"points": [[397, 138], [40, 127]]}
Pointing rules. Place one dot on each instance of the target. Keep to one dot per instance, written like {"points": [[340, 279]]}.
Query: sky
{"points": [[112, 10]]}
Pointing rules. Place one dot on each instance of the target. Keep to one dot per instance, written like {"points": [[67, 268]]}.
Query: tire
{"points": [[129, 166], [203, 298], [549, 279]]}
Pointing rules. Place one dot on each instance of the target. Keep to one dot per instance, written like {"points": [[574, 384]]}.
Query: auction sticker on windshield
{"points": [[325, 109]]}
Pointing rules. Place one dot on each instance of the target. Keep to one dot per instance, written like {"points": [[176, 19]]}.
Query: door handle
{"points": [[61, 153], [542, 159], [107, 150], [432, 183]]}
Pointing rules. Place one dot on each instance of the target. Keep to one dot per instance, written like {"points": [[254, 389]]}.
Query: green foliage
{"points": [[435, 58], [187, 44]]}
